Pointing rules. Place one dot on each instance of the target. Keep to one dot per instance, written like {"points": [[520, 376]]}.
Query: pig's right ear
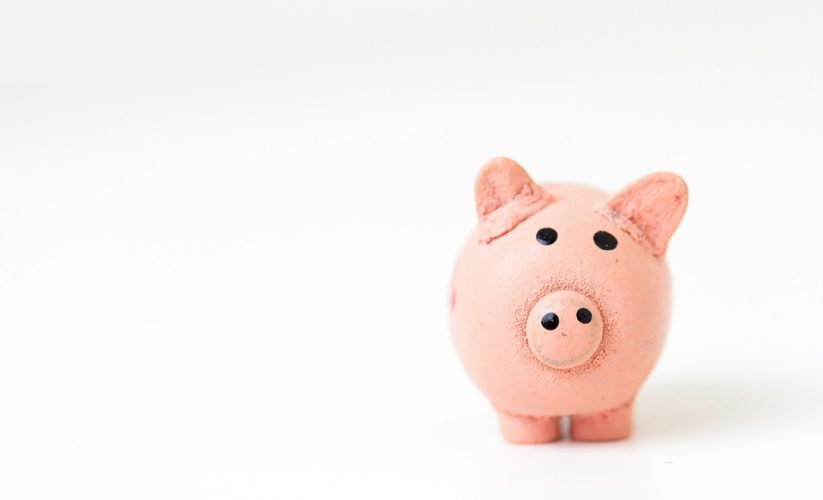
{"points": [[505, 196], [653, 205]]}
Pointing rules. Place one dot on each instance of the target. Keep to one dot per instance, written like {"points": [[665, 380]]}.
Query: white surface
{"points": [[227, 231]]}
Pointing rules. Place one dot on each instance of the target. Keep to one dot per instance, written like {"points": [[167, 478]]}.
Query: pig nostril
{"points": [[584, 315], [550, 321]]}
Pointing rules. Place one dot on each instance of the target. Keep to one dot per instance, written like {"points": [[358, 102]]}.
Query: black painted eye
{"points": [[584, 315], [605, 240], [550, 321], [546, 236]]}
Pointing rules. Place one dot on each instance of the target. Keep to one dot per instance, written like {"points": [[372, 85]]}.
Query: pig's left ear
{"points": [[505, 196], [654, 205]]}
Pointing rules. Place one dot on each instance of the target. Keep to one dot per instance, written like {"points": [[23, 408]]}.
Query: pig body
{"points": [[560, 299]]}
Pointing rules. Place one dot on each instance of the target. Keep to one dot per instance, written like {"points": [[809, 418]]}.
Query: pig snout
{"points": [[564, 329]]}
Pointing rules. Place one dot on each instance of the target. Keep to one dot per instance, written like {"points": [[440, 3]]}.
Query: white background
{"points": [[227, 229]]}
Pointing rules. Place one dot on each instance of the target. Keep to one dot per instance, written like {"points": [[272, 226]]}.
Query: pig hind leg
{"points": [[608, 425]]}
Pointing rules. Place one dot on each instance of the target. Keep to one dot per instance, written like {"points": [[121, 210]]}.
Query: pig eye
{"points": [[546, 236], [605, 240]]}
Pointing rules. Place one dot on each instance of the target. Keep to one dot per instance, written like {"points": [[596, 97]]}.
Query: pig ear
{"points": [[505, 196], [654, 205]]}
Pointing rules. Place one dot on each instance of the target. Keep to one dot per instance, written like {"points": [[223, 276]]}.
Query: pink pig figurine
{"points": [[560, 299]]}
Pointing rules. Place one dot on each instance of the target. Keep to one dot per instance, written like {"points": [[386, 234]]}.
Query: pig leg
{"points": [[528, 430], [607, 425]]}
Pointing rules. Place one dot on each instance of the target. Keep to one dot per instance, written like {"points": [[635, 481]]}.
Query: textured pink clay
{"points": [[568, 324]]}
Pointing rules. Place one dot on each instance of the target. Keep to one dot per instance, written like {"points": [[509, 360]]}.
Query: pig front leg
{"points": [[607, 425], [522, 429]]}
